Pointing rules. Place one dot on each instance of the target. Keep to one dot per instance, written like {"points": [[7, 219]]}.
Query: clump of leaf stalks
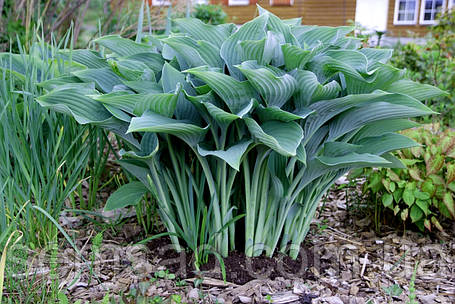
{"points": [[238, 132]]}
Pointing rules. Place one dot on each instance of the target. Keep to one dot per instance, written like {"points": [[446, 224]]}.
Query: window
{"points": [[238, 2], [451, 4], [405, 12], [161, 2], [430, 10], [281, 2]]}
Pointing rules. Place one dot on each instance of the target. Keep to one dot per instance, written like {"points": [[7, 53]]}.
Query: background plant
{"points": [[423, 192], [88, 18], [433, 63], [259, 120], [210, 13]]}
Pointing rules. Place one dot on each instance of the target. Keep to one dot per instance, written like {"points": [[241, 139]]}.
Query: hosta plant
{"points": [[423, 192], [256, 121]]}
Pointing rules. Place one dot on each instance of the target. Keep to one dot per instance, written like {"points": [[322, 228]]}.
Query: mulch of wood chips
{"points": [[344, 261]]}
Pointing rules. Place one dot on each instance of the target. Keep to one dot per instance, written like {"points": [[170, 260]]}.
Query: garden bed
{"points": [[344, 261]]}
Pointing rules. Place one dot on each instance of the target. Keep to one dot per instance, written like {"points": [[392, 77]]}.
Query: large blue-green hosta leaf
{"points": [[233, 155], [283, 137], [313, 35], [414, 89], [153, 60], [148, 149], [277, 25], [163, 103], [201, 31], [104, 78], [152, 122], [358, 117], [90, 59], [231, 51], [309, 89], [72, 101], [275, 113], [123, 46], [275, 90], [195, 53], [236, 94], [381, 127], [328, 109], [377, 145]]}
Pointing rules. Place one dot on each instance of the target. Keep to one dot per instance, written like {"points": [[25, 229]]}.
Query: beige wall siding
{"points": [[328, 12], [319, 12]]}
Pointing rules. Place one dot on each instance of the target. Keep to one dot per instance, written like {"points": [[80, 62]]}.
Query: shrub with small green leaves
{"points": [[210, 13], [238, 132], [433, 63], [423, 193]]}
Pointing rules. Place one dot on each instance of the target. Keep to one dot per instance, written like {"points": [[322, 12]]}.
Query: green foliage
{"points": [[257, 121], [43, 156], [412, 290], [433, 63], [87, 18], [210, 13], [423, 192]]}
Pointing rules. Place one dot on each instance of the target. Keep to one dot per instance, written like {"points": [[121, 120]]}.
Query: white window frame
{"points": [[239, 2], [273, 4], [422, 13], [161, 2], [451, 4], [405, 22]]}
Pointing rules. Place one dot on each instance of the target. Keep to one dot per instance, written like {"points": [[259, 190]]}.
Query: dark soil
{"points": [[239, 268]]}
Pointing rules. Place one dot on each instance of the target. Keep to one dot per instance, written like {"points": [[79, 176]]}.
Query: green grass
{"points": [[44, 158]]}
